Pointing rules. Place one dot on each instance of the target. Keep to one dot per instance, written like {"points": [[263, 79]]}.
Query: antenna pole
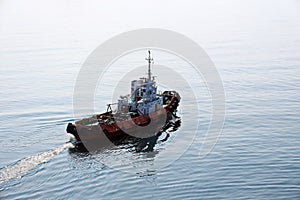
{"points": [[149, 59]]}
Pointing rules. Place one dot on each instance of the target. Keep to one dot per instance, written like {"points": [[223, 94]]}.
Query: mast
{"points": [[149, 59]]}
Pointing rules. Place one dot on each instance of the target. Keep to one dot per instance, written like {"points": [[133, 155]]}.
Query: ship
{"points": [[143, 114]]}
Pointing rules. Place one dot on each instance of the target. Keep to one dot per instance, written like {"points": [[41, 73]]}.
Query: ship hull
{"points": [[121, 127]]}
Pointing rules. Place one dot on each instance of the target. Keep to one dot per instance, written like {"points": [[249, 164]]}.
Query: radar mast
{"points": [[150, 60]]}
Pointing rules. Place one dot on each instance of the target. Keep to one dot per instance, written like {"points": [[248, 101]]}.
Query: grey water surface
{"points": [[255, 46]]}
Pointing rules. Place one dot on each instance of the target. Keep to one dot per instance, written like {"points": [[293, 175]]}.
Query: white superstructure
{"points": [[143, 98]]}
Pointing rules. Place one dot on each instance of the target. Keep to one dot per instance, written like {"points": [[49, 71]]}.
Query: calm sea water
{"points": [[255, 46]]}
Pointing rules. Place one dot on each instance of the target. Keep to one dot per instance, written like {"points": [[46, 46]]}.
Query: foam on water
{"points": [[26, 164], [255, 46]]}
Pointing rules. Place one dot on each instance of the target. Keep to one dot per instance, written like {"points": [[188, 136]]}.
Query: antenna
{"points": [[149, 59]]}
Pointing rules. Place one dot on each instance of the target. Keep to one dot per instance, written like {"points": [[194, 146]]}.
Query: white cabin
{"points": [[143, 98]]}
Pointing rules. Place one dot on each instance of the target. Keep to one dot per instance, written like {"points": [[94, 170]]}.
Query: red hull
{"points": [[120, 129], [123, 126]]}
